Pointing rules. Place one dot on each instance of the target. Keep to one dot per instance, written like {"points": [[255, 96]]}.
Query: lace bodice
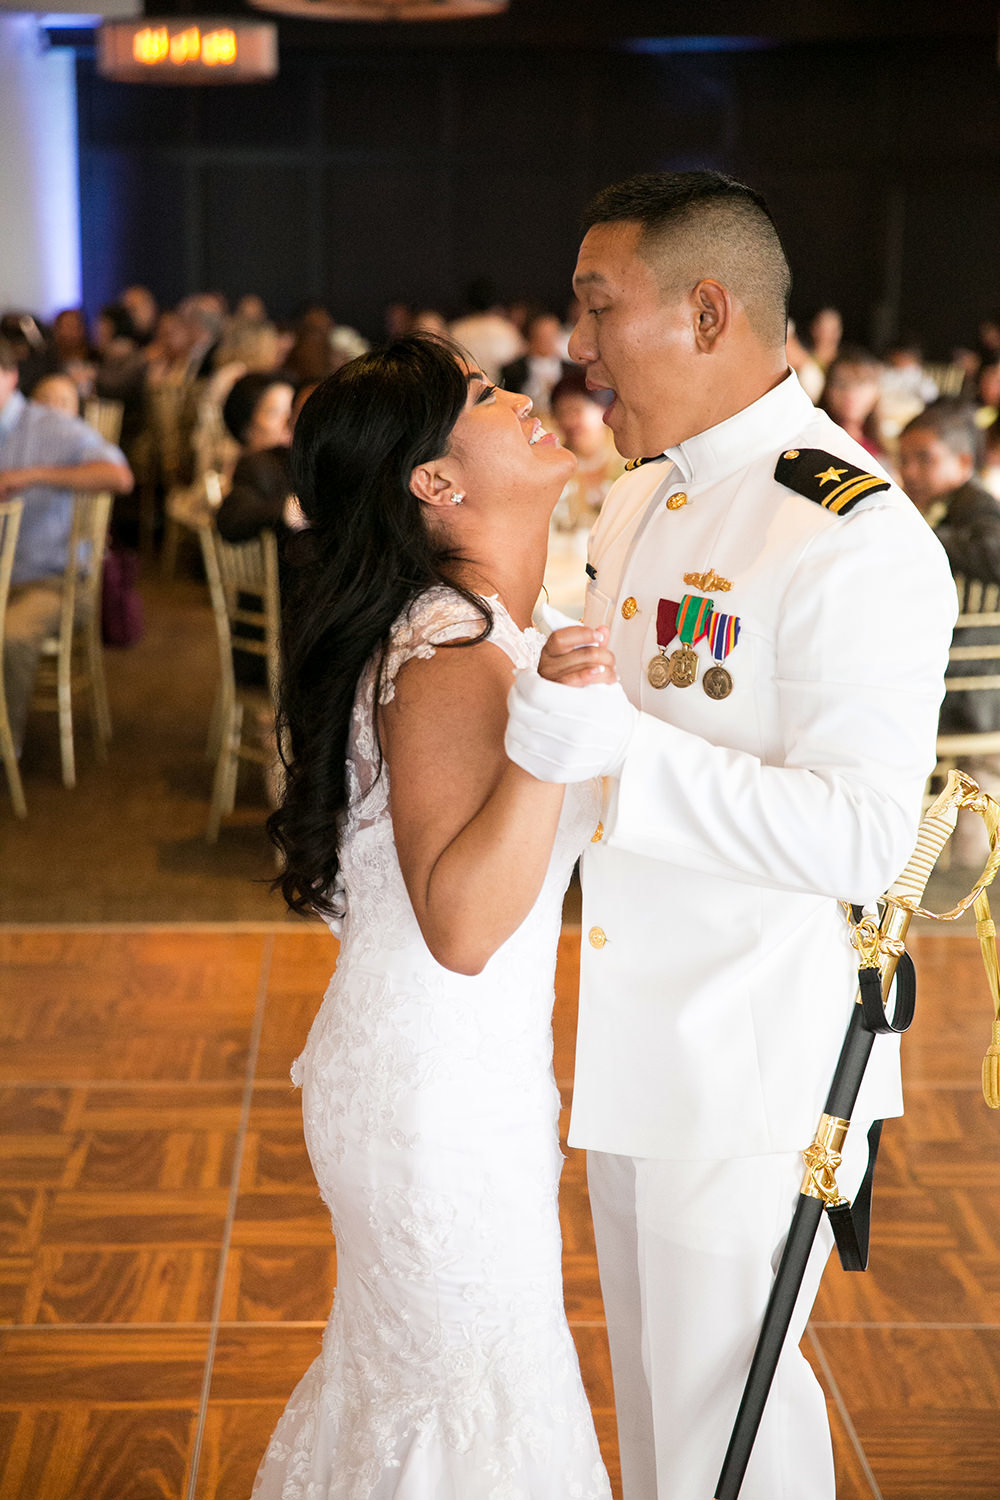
{"points": [[371, 884]]}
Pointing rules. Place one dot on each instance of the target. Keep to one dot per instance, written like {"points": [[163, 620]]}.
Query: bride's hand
{"points": [[578, 656]]}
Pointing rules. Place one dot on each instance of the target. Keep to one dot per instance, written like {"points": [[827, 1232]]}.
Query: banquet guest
{"points": [[486, 332], [44, 457], [851, 397], [541, 366], [826, 329], [58, 392], [579, 416]]}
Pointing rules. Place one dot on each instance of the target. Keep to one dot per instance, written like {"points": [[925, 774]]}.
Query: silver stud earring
{"points": [[457, 497]]}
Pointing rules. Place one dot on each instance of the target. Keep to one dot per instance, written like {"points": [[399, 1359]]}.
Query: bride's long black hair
{"points": [[366, 555]]}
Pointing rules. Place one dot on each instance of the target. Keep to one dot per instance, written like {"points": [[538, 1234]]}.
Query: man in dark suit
{"points": [[939, 452], [541, 367]]}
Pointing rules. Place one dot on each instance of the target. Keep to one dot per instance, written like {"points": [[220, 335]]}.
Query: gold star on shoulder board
{"points": [[831, 475]]}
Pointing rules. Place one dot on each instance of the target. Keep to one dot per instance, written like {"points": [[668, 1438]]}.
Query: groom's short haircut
{"points": [[698, 225]]}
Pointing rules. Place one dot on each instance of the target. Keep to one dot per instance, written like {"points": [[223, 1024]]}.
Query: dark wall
{"points": [[379, 174]]}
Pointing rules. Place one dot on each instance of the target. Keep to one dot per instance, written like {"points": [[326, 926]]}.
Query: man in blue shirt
{"points": [[44, 457]]}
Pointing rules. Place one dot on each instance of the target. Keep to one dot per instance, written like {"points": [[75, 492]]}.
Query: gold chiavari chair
{"points": [[72, 663], [10, 524], [239, 574]]}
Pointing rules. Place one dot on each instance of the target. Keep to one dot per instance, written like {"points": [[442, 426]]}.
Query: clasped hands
{"points": [[570, 720]]}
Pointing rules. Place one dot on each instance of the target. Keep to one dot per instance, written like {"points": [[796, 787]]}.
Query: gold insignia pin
{"points": [[830, 475], [709, 583]]}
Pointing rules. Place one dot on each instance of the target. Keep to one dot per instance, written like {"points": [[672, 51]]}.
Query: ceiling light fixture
{"points": [[384, 10], [187, 49]]}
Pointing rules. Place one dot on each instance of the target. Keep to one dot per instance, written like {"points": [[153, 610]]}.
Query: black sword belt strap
{"points": [[851, 1222]]}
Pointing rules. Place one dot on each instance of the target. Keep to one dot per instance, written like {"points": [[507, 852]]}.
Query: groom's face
{"points": [[636, 341]]}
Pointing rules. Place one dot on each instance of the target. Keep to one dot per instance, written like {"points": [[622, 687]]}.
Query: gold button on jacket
{"points": [[629, 608], [596, 937]]}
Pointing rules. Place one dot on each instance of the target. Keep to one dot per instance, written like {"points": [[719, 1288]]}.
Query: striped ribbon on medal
{"points": [[693, 618], [723, 633]]}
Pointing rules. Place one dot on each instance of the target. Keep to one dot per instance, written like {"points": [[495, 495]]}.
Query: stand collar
{"points": [[762, 426]]}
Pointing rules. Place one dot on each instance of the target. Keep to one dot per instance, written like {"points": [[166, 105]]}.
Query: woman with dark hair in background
{"points": [[430, 1107], [851, 397], [258, 413]]}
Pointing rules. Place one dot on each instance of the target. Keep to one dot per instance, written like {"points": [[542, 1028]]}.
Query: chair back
{"points": [[84, 570], [165, 412], [105, 417], [10, 525], [238, 574], [979, 624], [949, 378]]}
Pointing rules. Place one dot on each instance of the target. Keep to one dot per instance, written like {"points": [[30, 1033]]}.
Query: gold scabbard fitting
{"points": [[823, 1158], [866, 937]]}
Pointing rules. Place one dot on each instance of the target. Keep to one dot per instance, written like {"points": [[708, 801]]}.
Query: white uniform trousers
{"points": [[686, 1251]]}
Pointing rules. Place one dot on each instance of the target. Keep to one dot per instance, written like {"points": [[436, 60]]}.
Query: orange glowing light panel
{"points": [[183, 50]]}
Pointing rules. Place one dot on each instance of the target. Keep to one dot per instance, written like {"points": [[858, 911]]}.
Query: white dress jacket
{"points": [[717, 977]]}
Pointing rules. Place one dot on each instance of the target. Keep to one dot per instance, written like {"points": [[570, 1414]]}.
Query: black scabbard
{"points": [[867, 1019]]}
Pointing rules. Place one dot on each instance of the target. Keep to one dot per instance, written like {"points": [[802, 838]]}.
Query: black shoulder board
{"points": [[831, 482], [637, 463]]}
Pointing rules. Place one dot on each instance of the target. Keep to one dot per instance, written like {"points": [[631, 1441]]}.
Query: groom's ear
{"points": [[430, 485]]}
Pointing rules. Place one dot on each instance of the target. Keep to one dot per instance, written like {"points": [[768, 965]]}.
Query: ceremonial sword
{"points": [[882, 959]]}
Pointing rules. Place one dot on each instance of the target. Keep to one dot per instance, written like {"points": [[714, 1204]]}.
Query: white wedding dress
{"points": [[447, 1371]]}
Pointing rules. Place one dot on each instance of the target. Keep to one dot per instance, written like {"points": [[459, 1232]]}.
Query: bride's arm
{"points": [[473, 831]]}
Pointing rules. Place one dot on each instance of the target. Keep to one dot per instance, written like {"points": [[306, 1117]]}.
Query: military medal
{"points": [[658, 670], [723, 633], [693, 619]]}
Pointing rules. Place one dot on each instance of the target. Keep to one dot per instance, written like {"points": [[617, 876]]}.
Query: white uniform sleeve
{"points": [[865, 626]]}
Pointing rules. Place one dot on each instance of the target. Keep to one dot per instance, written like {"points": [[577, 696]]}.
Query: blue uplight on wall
{"points": [[40, 267], [658, 45]]}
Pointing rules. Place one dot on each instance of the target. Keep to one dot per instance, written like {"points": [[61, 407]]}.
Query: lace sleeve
{"points": [[438, 616]]}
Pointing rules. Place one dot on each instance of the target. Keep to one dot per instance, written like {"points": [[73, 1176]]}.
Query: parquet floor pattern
{"points": [[166, 1265]]}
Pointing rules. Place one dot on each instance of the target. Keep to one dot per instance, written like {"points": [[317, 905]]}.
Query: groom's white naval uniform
{"points": [[717, 976]]}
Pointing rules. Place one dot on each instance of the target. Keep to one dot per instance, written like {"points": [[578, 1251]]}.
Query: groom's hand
{"points": [[578, 655], [561, 733]]}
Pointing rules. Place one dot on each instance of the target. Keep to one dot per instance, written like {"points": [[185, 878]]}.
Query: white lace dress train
{"points": [[447, 1370]]}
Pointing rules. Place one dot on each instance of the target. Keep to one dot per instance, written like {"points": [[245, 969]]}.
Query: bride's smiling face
{"points": [[500, 451]]}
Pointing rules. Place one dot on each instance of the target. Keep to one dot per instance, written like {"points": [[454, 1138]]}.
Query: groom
{"points": [[780, 616]]}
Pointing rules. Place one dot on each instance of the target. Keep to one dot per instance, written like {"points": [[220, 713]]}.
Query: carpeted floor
{"points": [[127, 843]]}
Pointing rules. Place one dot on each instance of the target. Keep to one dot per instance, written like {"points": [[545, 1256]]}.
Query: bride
{"points": [[431, 1114]]}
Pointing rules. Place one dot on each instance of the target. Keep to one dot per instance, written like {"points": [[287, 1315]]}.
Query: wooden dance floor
{"points": [[166, 1266]]}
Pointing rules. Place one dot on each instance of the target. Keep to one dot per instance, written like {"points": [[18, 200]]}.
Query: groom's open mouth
{"points": [[606, 396]]}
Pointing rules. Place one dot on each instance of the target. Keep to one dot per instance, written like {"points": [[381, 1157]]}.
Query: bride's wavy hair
{"points": [[366, 556]]}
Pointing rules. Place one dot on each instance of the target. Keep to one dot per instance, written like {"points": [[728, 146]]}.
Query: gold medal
{"points": [[658, 671], [684, 667], [717, 682]]}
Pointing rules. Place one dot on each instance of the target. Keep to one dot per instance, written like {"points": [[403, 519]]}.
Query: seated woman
{"points": [[258, 412], [579, 417], [430, 1108], [851, 397]]}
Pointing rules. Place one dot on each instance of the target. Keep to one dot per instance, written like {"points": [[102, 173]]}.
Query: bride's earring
{"points": [[457, 497]]}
